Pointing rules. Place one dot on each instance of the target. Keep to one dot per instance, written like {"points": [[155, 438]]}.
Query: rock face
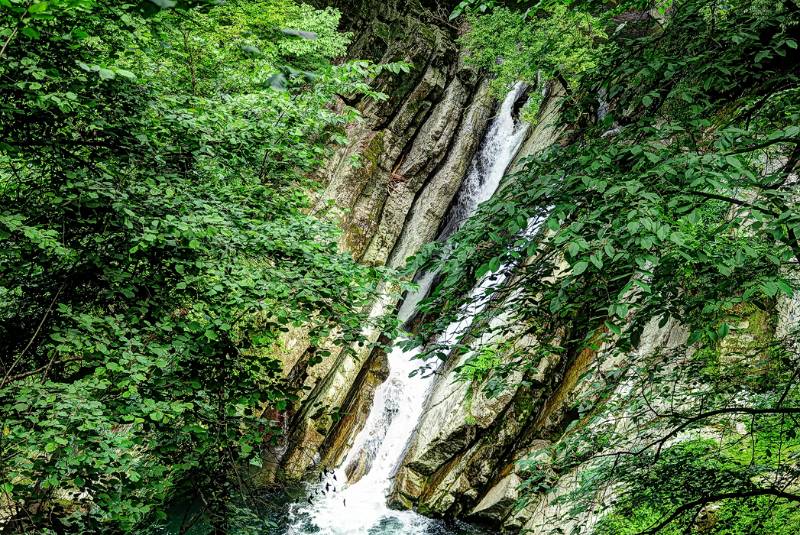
{"points": [[412, 150], [470, 454], [465, 440], [390, 188]]}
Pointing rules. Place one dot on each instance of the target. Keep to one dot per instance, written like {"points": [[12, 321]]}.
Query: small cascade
{"points": [[502, 141], [499, 147], [351, 500]]}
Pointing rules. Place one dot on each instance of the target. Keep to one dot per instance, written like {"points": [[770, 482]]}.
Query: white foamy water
{"points": [[359, 508], [501, 143]]}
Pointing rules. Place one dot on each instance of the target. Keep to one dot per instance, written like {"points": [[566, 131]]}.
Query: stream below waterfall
{"points": [[332, 504]]}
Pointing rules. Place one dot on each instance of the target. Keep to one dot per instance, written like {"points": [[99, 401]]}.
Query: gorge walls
{"points": [[389, 188]]}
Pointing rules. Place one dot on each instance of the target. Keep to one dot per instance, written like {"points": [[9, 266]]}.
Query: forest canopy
{"points": [[157, 243]]}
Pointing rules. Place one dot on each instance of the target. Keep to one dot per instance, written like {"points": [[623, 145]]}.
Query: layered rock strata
{"points": [[390, 188]]}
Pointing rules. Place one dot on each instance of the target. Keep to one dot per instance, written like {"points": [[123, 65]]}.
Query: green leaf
{"points": [[723, 330], [126, 74], [643, 285], [579, 267], [769, 288], [37, 7], [784, 287], [106, 74], [613, 327], [573, 248], [694, 337], [734, 161], [30, 32]]}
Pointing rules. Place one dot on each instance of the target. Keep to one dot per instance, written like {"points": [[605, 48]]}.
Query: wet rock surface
{"points": [[390, 188]]}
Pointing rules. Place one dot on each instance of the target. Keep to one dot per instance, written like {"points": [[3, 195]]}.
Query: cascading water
{"points": [[502, 141], [498, 149], [337, 507]]}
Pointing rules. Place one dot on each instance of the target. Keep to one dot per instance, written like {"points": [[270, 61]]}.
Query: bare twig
{"points": [[35, 334]]}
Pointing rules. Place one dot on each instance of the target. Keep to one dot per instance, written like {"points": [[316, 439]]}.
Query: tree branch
{"points": [[35, 334], [733, 200], [716, 498]]}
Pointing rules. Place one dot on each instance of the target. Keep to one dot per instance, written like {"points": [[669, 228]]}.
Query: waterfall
{"points": [[335, 507], [502, 141]]}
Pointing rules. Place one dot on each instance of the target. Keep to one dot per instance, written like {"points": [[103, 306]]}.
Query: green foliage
{"points": [[479, 6], [479, 365], [636, 437], [156, 244], [669, 196], [694, 469], [513, 46]]}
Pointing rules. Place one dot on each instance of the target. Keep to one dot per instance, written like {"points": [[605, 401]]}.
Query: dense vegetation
{"points": [[156, 243], [670, 198]]}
